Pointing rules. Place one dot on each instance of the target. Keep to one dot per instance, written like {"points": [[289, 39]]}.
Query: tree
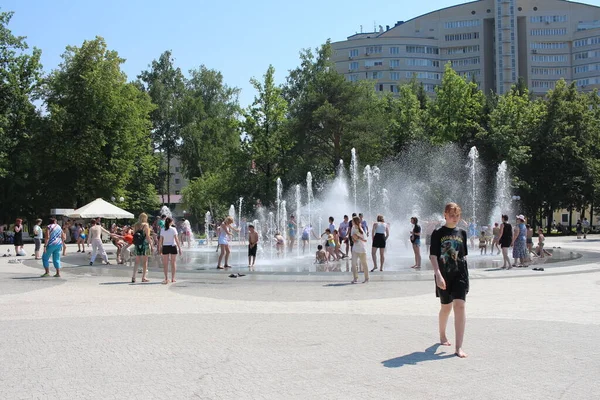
{"points": [[166, 86], [563, 149], [20, 82], [98, 130], [457, 110], [210, 130], [266, 137]]}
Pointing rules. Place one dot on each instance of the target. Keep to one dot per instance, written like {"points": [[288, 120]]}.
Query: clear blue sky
{"points": [[239, 38]]}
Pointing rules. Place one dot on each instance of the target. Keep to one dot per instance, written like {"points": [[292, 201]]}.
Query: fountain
{"points": [[474, 171], [270, 232], [503, 196], [370, 175], [278, 201], [354, 173], [164, 210], [298, 219], [310, 199], [417, 183], [207, 222]]}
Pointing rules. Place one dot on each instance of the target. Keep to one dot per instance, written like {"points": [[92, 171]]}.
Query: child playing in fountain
{"points": [[320, 255], [482, 243], [252, 246], [448, 254], [279, 244], [330, 244], [336, 239]]}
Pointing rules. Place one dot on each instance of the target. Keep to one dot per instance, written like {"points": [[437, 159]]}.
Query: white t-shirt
{"points": [[168, 236]]}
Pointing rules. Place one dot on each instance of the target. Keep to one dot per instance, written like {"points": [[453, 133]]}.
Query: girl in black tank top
{"points": [[506, 238]]}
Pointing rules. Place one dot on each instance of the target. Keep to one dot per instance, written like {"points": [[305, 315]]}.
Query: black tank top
{"points": [[506, 233]]}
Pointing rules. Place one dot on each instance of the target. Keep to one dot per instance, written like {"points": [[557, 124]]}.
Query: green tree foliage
{"points": [[98, 133], [210, 131], [266, 138], [166, 86], [457, 111], [20, 80], [563, 150]]}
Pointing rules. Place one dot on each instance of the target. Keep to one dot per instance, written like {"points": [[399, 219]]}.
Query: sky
{"points": [[238, 38]]}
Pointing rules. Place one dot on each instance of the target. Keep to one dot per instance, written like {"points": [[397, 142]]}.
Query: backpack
{"points": [[139, 238]]}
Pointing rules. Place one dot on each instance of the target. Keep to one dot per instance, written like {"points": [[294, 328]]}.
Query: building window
{"points": [[394, 63], [373, 63], [176, 169], [177, 192], [464, 61], [177, 181], [428, 87], [353, 66], [353, 53], [395, 76], [462, 36], [423, 75], [376, 75], [549, 32], [549, 58], [586, 42], [548, 18], [462, 24], [353, 78], [461, 50], [422, 62], [543, 84], [422, 49], [548, 45], [394, 50], [588, 81], [374, 49], [549, 71]]}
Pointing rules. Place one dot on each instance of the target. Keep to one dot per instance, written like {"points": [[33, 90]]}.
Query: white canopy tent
{"points": [[100, 208]]}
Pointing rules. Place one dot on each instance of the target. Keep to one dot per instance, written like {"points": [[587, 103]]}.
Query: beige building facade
{"points": [[492, 41]]}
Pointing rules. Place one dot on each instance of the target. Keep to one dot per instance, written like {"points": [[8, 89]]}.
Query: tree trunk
{"points": [[549, 215], [169, 177], [592, 215], [570, 219]]}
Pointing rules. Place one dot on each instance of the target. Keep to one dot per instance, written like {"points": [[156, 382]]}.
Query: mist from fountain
{"points": [[207, 222], [164, 210], [354, 173], [503, 196], [473, 175]]}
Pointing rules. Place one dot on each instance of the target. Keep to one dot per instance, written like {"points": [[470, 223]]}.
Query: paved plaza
{"points": [[93, 335]]}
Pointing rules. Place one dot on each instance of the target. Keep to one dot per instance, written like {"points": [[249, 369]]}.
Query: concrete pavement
{"points": [[87, 335]]}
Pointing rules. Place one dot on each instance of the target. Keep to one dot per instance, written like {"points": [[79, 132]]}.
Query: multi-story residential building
{"points": [[176, 184], [493, 41]]}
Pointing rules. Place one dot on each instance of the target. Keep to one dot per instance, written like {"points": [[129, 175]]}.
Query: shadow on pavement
{"points": [[337, 284], [417, 357], [131, 283]]}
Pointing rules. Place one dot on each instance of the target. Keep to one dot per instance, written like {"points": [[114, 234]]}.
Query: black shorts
{"points": [[379, 241], [252, 251], [457, 285], [504, 242], [169, 250]]}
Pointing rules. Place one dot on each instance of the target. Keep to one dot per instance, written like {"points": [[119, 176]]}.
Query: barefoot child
{"points": [[279, 244], [482, 243], [252, 245], [320, 255], [448, 254]]}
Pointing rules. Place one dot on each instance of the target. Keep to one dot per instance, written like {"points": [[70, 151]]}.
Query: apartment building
{"points": [[492, 41]]}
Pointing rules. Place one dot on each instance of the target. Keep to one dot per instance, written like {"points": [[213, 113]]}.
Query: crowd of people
{"points": [[448, 242]]}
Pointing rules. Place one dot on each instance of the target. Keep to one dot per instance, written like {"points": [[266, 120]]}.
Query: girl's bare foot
{"points": [[445, 342], [173, 280], [460, 353], [165, 281]]}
